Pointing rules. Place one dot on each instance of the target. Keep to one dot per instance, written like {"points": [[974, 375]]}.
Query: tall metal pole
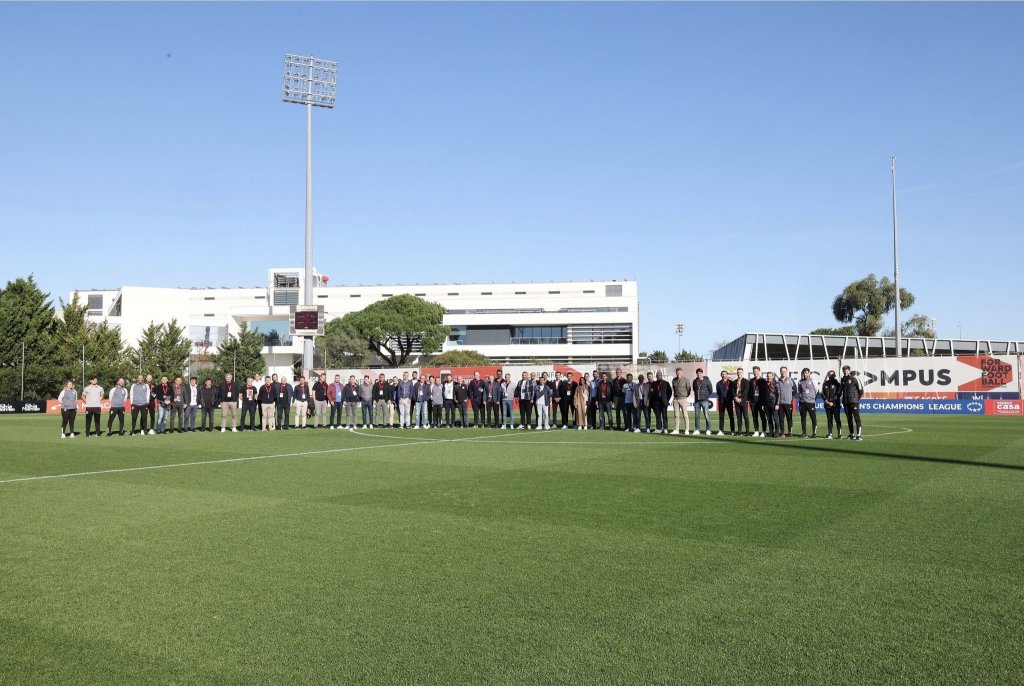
{"points": [[23, 371], [307, 298], [896, 260], [83, 365]]}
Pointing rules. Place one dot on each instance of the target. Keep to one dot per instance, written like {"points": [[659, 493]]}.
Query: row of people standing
{"points": [[543, 402]]}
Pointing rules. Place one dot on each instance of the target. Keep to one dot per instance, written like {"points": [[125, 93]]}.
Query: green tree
{"points": [[917, 326], [163, 350], [460, 358], [241, 354], [27, 316], [391, 326], [71, 336], [685, 355], [835, 331], [342, 346], [659, 357], [106, 355], [865, 303]]}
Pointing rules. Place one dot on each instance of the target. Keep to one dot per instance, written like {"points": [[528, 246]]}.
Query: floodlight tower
{"points": [[896, 260], [311, 82]]}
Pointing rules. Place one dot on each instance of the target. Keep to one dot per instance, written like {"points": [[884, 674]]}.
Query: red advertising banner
{"points": [[1005, 407]]}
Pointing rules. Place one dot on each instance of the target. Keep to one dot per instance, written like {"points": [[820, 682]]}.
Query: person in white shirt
{"points": [[93, 397], [191, 401]]}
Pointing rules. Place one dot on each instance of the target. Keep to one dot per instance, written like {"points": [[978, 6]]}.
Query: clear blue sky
{"points": [[733, 158]]}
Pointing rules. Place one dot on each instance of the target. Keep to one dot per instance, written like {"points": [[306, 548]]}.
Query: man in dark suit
{"points": [[284, 403]]}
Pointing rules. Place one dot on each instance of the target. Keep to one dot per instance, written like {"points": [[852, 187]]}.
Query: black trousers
{"points": [[563, 407], [479, 414], [284, 416], [67, 418], [250, 408], [493, 414], [805, 410], [435, 414], [138, 410], [119, 413], [205, 413], [619, 402], [726, 408], [756, 415], [742, 418], [92, 416], [770, 420], [524, 412], [151, 411], [592, 414], [786, 418], [852, 416], [462, 413]]}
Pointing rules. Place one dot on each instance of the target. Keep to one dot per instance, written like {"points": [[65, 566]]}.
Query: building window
{"points": [[613, 290], [274, 332], [420, 295], [209, 297], [554, 292], [95, 304], [261, 297], [354, 295], [387, 295], [588, 291], [209, 314], [538, 335], [486, 293], [453, 294], [597, 334], [286, 280], [321, 296], [457, 335], [520, 292]]}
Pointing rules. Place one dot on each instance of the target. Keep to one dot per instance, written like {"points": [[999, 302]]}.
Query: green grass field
{"points": [[463, 557]]}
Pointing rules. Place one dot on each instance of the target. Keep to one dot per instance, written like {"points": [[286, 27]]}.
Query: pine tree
{"points": [[27, 316], [240, 354]]}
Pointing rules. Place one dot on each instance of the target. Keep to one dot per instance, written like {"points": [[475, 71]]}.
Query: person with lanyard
{"points": [[153, 403], [284, 404], [787, 394], [248, 396], [726, 394], [139, 394], [770, 400], [831, 395], [366, 402], [164, 395], [336, 397], [93, 397], [191, 404], [618, 395], [646, 409], [565, 401], [300, 398], [227, 396], [207, 403], [702, 402], [660, 395], [421, 396], [629, 403], [492, 400], [807, 396], [436, 401], [595, 382], [381, 391], [448, 398], [477, 396], [118, 399], [741, 393], [542, 401], [524, 394], [605, 400], [321, 399], [508, 400], [461, 391], [404, 397], [392, 401], [350, 409], [680, 399], [756, 404], [851, 391], [177, 407], [68, 400], [266, 400]]}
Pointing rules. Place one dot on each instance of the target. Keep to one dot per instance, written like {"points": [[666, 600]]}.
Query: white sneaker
{"points": [[719, 433], [63, 435], [708, 432], [71, 436], [636, 431], [675, 432], [152, 433], [564, 428], [415, 428], [272, 428], [234, 430]]}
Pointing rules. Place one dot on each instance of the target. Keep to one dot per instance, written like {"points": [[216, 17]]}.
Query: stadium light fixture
{"points": [[311, 82]]}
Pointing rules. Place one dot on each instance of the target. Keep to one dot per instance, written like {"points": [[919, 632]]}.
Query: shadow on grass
{"points": [[841, 444]]}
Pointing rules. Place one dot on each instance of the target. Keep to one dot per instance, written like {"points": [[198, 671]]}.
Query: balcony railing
{"points": [[526, 340]]}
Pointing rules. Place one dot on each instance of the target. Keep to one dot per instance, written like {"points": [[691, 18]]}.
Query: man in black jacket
{"points": [[284, 403], [564, 389], [851, 390], [618, 396], [726, 393], [741, 394], [461, 398], [207, 402], [477, 394]]}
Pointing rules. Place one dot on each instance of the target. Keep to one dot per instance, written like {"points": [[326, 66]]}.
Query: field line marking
{"points": [[226, 460]]}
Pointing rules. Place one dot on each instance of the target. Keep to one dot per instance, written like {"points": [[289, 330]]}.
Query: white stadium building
{"points": [[565, 322]]}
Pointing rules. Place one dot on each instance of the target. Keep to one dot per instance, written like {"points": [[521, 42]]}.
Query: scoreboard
{"points": [[306, 320]]}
